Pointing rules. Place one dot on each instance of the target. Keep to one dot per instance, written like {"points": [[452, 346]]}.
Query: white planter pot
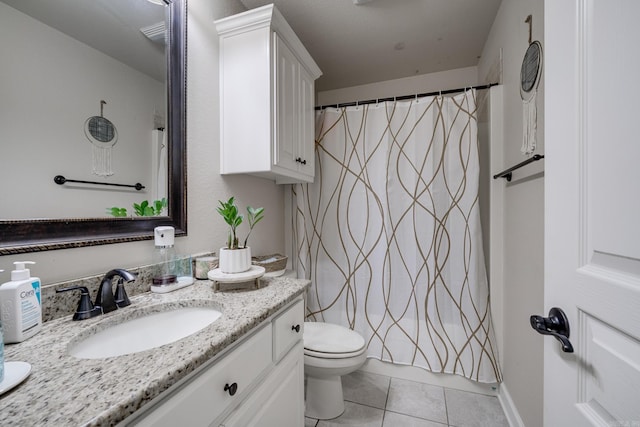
{"points": [[234, 260]]}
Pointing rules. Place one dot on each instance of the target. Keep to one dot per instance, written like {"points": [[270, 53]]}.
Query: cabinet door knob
{"points": [[232, 389], [296, 328], [299, 160]]}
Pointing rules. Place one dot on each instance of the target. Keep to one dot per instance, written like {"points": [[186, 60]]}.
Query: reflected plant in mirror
{"points": [[71, 58], [143, 208]]}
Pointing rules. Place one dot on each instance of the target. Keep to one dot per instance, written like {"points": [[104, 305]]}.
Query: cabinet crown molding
{"points": [[267, 17]]}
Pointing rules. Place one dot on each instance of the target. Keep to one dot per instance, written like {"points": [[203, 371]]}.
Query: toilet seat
{"points": [[330, 341]]}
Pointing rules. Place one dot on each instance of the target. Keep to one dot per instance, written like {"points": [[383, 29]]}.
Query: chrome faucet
{"points": [[105, 299]]}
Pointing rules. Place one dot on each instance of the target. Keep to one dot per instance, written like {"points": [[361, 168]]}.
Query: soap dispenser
{"points": [[170, 271], [164, 256], [20, 305]]}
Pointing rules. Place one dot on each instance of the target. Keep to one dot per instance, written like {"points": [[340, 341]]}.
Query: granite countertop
{"points": [[65, 391]]}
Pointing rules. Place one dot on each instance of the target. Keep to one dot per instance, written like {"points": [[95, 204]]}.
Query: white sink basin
{"points": [[144, 333]]}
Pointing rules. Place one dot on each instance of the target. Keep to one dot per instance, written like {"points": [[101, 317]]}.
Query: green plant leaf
{"points": [[141, 208], [147, 209], [254, 215], [159, 206], [117, 212], [229, 212]]}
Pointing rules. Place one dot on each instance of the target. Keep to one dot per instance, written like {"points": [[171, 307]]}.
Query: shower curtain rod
{"points": [[401, 98]]}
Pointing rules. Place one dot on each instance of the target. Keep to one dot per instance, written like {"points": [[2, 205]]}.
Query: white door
{"points": [[592, 210]]}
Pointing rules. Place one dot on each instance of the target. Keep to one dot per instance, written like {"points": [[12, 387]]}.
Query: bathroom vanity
{"points": [[245, 368], [259, 381]]}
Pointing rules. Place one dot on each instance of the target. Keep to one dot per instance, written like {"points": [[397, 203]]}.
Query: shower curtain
{"points": [[389, 233], [159, 167]]}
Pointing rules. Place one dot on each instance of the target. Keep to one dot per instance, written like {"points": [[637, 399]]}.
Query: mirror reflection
{"points": [[84, 97]]}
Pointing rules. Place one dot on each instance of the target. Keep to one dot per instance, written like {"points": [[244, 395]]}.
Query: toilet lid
{"points": [[323, 337]]}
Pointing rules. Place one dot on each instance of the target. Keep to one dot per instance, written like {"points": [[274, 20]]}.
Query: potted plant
{"points": [[235, 258]]}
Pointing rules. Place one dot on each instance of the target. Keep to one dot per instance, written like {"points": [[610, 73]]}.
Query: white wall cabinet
{"points": [[260, 382], [267, 81]]}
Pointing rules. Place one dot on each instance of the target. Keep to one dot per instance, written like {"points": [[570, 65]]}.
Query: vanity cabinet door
{"points": [[287, 330], [217, 389], [279, 401]]}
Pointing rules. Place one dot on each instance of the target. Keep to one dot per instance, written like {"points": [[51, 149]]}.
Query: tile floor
{"points": [[373, 400]]}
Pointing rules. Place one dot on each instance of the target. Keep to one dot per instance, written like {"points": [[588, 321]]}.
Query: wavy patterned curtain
{"points": [[389, 233]]}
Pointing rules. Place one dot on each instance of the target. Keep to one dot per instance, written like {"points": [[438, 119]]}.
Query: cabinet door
{"points": [[205, 398], [286, 106], [279, 401], [306, 134], [288, 328]]}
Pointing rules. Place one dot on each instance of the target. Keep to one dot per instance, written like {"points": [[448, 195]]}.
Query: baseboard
{"points": [[510, 410]]}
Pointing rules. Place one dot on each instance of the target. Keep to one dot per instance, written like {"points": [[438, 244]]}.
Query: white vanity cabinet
{"points": [[276, 403], [259, 382], [266, 98], [279, 401]]}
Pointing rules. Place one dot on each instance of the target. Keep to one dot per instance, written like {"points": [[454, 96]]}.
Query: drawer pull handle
{"points": [[232, 389], [296, 328]]}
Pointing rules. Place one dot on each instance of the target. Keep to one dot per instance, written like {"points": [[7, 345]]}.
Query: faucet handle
{"points": [[86, 309], [122, 299]]}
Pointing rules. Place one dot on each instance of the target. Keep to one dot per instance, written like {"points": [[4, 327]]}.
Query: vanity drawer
{"points": [[203, 399], [288, 329]]}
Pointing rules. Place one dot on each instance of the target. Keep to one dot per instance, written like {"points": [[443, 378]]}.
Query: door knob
{"points": [[556, 325]]}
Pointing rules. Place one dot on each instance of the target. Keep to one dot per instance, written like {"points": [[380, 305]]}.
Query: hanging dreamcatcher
{"points": [[103, 136], [529, 80]]}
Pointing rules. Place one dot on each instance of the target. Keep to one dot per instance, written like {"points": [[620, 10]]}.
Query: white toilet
{"points": [[330, 351]]}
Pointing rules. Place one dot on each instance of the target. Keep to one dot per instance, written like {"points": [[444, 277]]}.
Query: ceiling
{"points": [[110, 26], [387, 39], [352, 44]]}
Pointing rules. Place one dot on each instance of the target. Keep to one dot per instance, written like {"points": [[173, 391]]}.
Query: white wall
{"points": [[522, 209], [423, 83], [43, 133], [207, 232]]}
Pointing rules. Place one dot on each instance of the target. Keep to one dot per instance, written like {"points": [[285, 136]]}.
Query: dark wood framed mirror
{"points": [[32, 235]]}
